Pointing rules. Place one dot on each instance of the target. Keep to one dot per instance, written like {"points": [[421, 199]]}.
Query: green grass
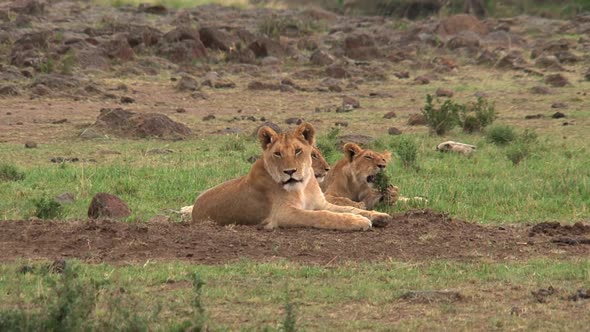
{"points": [[251, 295], [551, 183], [173, 3]]}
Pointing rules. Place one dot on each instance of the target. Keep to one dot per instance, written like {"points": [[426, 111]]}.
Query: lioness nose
{"points": [[382, 166], [290, 171], [327, 169]]}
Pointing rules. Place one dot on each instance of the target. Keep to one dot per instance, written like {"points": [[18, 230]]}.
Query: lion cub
{"points": [[351, 180], [281, 191]]}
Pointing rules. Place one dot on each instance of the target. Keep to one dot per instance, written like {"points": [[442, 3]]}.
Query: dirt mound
{"points": [[120, 122], [557, 229], [413, 236]]}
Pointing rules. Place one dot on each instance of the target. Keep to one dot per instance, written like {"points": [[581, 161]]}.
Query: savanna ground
{"points": [[502, 243]]}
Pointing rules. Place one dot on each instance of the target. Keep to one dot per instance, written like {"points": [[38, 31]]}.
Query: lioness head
{"points": [[287, 157], [365, 164], [319, 164]]}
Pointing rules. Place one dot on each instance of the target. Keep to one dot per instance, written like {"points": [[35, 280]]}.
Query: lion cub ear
{"points": [[351, 150], [266, 136], [307, 131], [386, 156]]}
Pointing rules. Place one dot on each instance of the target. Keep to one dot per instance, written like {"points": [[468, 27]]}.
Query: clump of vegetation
{"points": [[407, 151], [501, 135], [235, 143], [68, 62], [476, 116], [197, 322], [381, 182], [274, 26], [441, 118], [328, 143], [47, 66], [46, 208], [290, 318], [522, 146], [10, 173]]}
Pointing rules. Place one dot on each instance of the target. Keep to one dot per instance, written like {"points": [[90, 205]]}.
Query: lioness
{"points": [[351, 180], [281, 191]]}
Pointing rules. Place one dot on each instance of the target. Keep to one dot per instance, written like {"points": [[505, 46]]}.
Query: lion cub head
{"points": [[365, 164], [319, 164], [287, 157]]}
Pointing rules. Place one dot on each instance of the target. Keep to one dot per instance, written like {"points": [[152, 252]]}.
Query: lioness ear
{"points": [[306, 130], [351, 150], [266, 136], [387, 156]]}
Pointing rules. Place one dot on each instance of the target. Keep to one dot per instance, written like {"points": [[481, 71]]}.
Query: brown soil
{"points": [[413, 236]]}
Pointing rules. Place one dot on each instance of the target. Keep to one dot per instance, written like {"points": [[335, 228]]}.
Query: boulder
{"points": [[105, 205]]}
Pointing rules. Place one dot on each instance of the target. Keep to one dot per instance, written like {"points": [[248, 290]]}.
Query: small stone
{"points": [[422, 80], [60, 121], [394, 131], [346, 100], [541, 90], [341, 124], [559, 105], [417, 119], [180, 110], [441, 92], [105, 205], [402, 75], [209, 117], [558, 115], [557, 80], [30, 145], [390, 115], [127, 100], [291, 121], [534, 116]]}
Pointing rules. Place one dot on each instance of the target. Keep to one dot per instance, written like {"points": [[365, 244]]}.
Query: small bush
{"points": [[501, 135], [443, 118], [328, 143], [381, 182], [274, 26], [46, 208], [235, 143], [10, 173], [476, 116], [68, 62], [517, 152], [407, 151]]}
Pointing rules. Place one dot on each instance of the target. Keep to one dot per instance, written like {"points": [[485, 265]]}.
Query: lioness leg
{"points": [[294, 217], [378, 219], [344, 201]]}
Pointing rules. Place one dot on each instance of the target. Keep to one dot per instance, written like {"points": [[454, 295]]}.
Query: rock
{"points": [[65, 198], [127, 100], [187, 83], [360, 47], [402, 74], [180, 110], [60, 121], [118, 48], [199, 95], [390, 115], [182, 45], [442, 92], [417, 119], [533, 116], [541, 90], [9, 90], [461, 23], [152, 9], [91, 133], [394, 131], [263, 47], [350, 101], [209, 117], [362, 140], [105, 205], [270, 61], [557, 80], [341, 124], [548, 62], [293, 121], [558, 115], [467, 39], [321, 58], [307, 44], [30, 145], [422, 80], [257, 85], [140, 125], [559, 105], [337, 71]]}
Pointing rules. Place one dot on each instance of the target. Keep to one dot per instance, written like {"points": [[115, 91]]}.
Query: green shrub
{"points": [[46, 208], [476, 116], [517, 152], [443, 118], [407, 151], [328, 143], [274, 26], [501, 135], [10, 173]]}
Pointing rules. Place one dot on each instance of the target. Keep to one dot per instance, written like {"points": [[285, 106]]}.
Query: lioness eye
{"points": [[314, 156], [369, 157], [298, 152], [277, 154]]}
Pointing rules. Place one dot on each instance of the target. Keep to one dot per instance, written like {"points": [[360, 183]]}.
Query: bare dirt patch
{"points": [[413, 236]]}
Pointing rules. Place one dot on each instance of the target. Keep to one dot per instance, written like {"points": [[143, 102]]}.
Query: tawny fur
{"points": [[280, 191], [349, 182]]}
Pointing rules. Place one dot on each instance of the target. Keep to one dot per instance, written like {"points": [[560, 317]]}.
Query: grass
{"points": [[249, 295], [174, 3], [551, 183]]}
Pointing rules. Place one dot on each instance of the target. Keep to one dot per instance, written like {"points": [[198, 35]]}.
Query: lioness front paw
{"points": [[380, 219], [362, 223]]}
